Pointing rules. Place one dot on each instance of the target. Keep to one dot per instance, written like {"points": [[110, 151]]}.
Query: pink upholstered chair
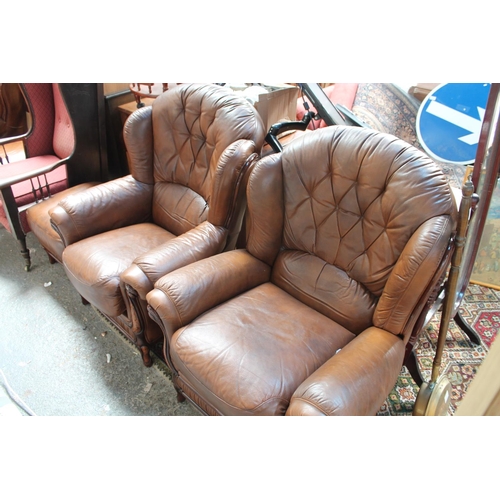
{"points": [[48, 145]]}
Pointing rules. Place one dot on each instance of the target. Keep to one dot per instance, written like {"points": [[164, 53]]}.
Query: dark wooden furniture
{"points": [[147, 90]]}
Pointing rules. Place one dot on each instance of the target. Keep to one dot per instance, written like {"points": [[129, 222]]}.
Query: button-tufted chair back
{"points": [[191, 129], [350, 208], [190, 156], [348, 230]]}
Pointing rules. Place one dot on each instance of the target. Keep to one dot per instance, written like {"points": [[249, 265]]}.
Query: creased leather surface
{"points": [[353, 198], [353, 224], [94, 264], [108, 206], [326, 288], [40, 224], [412, 274], [265, 209], [203, 241], [355, 381], [138, 136], [188, 157], [182, 295], [196, 124], [268, 345]]}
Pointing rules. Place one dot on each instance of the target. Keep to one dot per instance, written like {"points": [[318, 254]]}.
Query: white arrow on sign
{"points": [[459, 119]]}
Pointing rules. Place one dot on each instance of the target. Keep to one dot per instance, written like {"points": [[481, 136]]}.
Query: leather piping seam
{"points": [[275, 398], [314, 405]]}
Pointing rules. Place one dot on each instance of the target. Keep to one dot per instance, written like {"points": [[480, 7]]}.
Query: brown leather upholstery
{"points": [[183, 201], [38, 220], [346, 231]]}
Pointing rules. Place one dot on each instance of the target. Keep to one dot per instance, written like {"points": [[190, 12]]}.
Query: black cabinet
{"points": [[85, 102]]}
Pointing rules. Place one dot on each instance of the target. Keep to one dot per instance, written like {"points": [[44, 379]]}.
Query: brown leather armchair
{"points": [[184, 200], [347, 228]]}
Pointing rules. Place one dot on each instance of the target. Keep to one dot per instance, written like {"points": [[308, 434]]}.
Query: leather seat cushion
{"points": [[253, 351], [94, 265], [39, 220]]}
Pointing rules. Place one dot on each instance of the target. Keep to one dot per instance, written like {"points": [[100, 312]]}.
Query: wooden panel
{"points": [[483, 394], [114, 88], [85, 102]]}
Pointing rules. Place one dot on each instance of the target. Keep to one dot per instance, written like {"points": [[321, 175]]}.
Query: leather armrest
{"points": [[401, 301], [229, 185], [108, 206], [184, 294], [199, 243], [355, 381]]}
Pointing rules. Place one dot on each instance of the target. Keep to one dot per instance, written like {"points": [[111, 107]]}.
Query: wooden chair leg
{"points": [[467, 329], [411, 363], [146, 356], [12, 214], [25, 253], [51, 259]]}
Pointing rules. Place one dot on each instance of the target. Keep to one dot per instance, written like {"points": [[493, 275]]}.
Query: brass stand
{"points": [[434, 396]]}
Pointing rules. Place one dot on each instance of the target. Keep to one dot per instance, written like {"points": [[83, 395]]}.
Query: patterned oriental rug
{"points": [[388, 108], [461, 358]]}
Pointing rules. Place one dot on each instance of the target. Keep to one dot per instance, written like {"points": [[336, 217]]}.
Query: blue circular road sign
{"points": [[449, 121]]}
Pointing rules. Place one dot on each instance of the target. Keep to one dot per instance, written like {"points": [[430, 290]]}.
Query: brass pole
{"points": [[452, 281]]}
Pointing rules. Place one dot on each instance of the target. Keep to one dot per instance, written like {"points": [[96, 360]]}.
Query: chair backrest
{"points": [[360, 222], [181, 149], [52, 130]]}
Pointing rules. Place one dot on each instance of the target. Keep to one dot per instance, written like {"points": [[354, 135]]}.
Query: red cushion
{"points": [[30, 164], [64, 138], [23, 191]]}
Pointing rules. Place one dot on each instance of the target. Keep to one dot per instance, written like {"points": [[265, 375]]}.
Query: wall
{"points": [[483, 395]]}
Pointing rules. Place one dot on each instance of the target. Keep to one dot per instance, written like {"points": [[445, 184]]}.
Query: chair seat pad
{"points": [[94, 265], [253, 351], [22, 168]]}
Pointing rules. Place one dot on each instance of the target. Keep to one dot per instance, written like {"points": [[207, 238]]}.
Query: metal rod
{"points": [[325, 108], [452, 281], [484, 175]]}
